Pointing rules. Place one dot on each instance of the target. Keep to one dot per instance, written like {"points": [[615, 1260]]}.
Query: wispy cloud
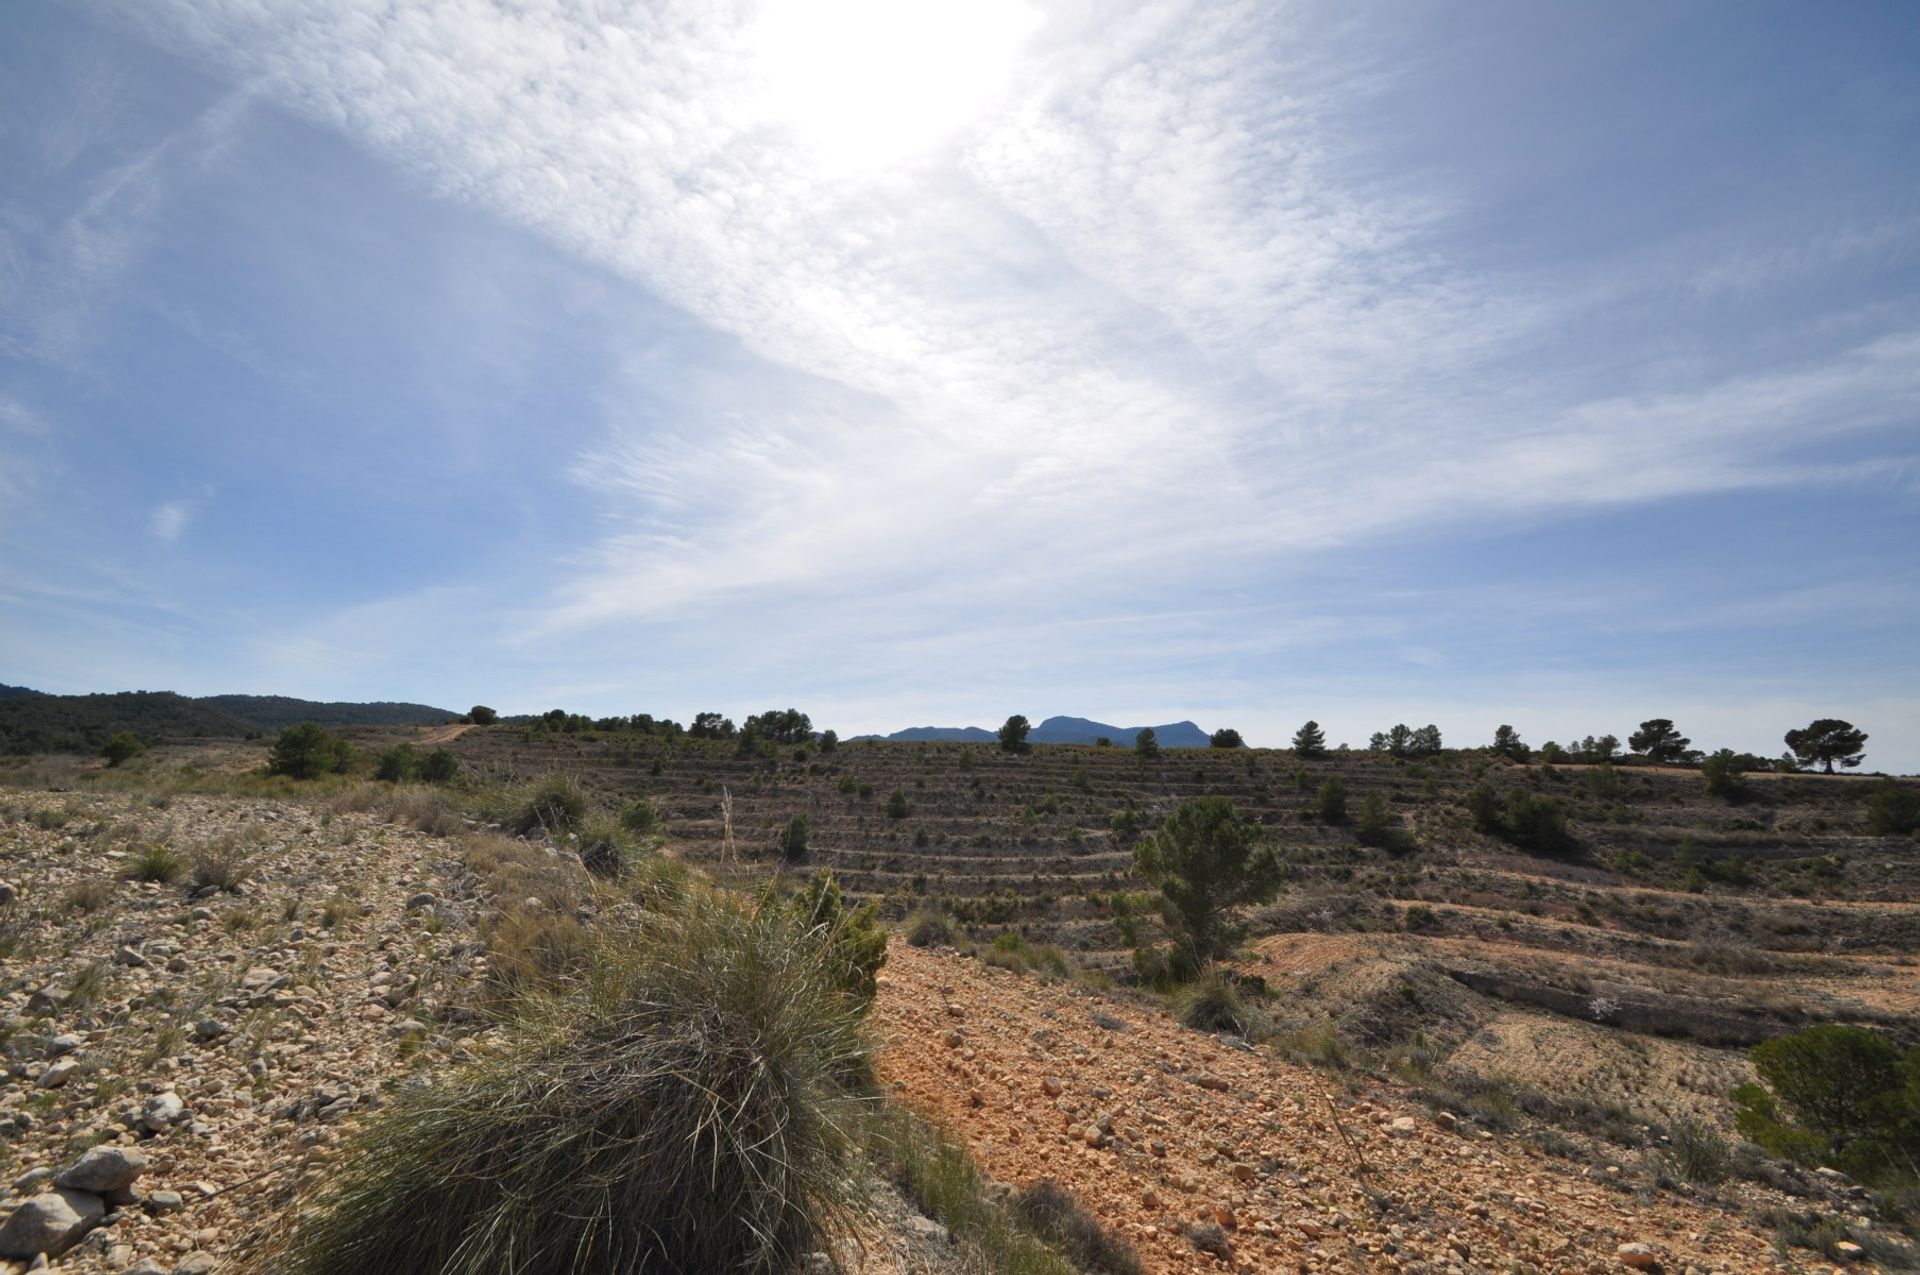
{"points": [[169, 520], [1138, 314]]}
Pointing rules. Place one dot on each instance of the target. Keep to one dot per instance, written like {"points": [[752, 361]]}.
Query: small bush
{"points": [[308, 751], [851, 942], [122, 746], [1330, 803], [1893, 809], [439, 767], [681, 1109], [793, 838], [1052, 1213], [556, 805], [1697, 1153], [929, 929], [897, 805], [641, 818], [398, 764]]}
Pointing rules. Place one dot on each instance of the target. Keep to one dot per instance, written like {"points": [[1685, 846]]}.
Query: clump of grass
{"points": [[929, 929], [1052, 1213], [1012, 951], [88, 985], [221, 864], [425, 811], [1316, 1044], [88, 896], [679, 1108], [156, 862], [1216, 1003], [939, 1179], [556, 804], [340, 908], [605, 849]]}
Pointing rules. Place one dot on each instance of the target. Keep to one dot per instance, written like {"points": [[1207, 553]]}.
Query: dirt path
{"points": [[1158, 1129], [437, 735]]}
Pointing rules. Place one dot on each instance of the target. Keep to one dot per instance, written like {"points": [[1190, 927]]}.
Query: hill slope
{"points": [[32, 722]]}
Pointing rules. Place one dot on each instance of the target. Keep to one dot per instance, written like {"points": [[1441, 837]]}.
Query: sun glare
{"points": [[865, 83]]}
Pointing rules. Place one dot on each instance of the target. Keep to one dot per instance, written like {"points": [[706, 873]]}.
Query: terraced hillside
{"points": [[1634, 968]]}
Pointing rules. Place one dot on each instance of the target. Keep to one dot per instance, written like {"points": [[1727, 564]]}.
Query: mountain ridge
{"points": [[1055, 730]]}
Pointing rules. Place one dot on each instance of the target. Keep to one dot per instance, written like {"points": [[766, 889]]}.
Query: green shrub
{"points": [[481, 715], [1146, 745], [641, 817], [897, 805], [793, 838], [1206, 861], [1724, 775], [122, 746], [557, 804], [1484, 806], [852, 943], [1893, 809], [440, 767], [398, 764], [681, 1107], [308, 751], [1330, 803], [1535, 823], [1835, 1094]]}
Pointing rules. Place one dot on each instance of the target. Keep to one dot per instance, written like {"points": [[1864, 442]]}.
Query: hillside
{"points": [[1429, 1087], [32, 722], [277, 712]]}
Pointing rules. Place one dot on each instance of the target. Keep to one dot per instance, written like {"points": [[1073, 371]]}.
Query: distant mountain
{"points": [[1079, 730], [277, 712], [31, 722], [937, 735], [1056, 730]]}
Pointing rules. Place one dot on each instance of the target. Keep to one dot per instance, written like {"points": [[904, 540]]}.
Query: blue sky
{"points": [[1467, 363]]}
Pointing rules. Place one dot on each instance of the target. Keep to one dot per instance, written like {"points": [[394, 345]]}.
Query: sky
{"points": [[1462, 363]]}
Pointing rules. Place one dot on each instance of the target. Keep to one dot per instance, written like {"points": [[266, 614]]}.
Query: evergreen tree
{"points": [[1827, 741]]}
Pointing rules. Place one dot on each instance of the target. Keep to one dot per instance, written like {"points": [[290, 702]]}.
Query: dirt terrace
{"points": [[1156, 1128]]}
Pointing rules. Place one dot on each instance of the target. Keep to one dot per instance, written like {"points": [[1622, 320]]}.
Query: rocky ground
{"points": [[180, 1060], [1211, 1155], [221, 1035]]}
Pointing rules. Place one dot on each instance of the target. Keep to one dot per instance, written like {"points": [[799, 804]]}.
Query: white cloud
{"points": [[169, 520]]}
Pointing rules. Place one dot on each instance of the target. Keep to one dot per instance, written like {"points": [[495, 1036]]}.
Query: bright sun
{"points": [[865, 83]]}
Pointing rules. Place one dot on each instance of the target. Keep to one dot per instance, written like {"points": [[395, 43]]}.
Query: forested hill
{"points": [[277, 712], [31, 722]]}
